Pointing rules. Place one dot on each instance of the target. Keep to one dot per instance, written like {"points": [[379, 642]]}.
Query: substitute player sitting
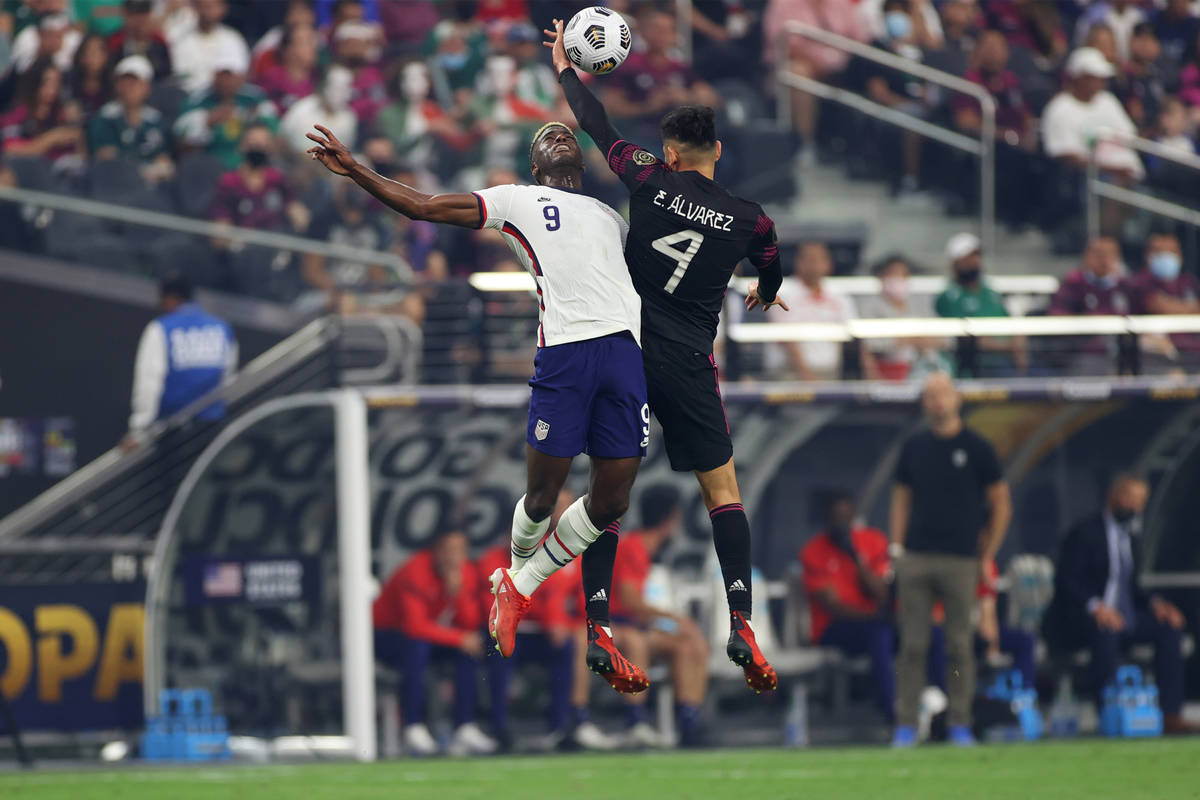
{"points": [[589, 389], [687, 234]]}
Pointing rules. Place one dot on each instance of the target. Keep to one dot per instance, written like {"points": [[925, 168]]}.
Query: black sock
{"points": [[597, 566], [731, 536]]}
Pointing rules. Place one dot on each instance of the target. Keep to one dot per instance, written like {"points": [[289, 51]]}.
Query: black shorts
{"points": [[681, 385]]}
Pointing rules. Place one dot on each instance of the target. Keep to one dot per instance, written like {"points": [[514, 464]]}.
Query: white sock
{"points": [[575, 532], [526, 534]]}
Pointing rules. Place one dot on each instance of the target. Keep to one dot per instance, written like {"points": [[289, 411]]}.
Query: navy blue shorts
{"points": [[590, 397]]}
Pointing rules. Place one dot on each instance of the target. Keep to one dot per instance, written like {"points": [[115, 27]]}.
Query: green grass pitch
{"points": [[1089, 770]]}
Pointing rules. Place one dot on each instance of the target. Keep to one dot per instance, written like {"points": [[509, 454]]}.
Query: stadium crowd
{"points": [[201, 106]]}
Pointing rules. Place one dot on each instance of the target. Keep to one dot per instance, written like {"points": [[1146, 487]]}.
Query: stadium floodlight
{"points": [[790, 332], [854, 285], [942, 327]]}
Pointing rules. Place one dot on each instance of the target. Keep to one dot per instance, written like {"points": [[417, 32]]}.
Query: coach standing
{"points": [[950, 508]]}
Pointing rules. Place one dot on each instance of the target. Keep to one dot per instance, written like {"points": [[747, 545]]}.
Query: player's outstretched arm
{"points": [[589, 112], [451, 209]]}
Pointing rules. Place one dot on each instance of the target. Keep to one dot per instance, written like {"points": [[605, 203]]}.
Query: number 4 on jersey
{"points": [[683, 258]]}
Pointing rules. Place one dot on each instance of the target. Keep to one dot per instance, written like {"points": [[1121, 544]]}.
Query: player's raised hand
{"points": [[331, 152], [753, 301], [554, 40]]}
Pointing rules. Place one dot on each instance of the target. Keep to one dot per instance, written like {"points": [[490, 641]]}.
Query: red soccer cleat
{"points": [[507, 610], [743, 651], [604, 659]]}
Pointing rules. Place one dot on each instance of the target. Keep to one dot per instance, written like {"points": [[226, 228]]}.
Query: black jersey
{"points": [[687, 233]]}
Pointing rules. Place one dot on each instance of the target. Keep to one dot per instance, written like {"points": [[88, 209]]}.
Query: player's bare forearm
{"points": [[451, 209]]}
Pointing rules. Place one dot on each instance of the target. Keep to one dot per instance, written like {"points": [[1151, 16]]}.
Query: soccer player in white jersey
{"points": [[589, 388]]}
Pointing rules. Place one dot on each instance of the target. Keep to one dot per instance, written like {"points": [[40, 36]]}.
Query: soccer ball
{"points": [[597, 40]]}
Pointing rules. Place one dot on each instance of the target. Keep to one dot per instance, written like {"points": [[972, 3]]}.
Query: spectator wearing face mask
{"points": [[969, 296], [1163, 288], [417, 126], [329, 107], [897, 90], [256, 194], [900, 359]]}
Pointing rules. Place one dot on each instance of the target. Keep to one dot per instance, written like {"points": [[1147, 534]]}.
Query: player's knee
{"points": [[539, 503], [604, 511]]}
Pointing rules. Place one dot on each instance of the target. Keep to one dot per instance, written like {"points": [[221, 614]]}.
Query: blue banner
{"points": [[71, 655]]}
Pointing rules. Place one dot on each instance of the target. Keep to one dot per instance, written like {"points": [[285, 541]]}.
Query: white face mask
{"points": [[415, 83], [338, 88], [895, 287]]}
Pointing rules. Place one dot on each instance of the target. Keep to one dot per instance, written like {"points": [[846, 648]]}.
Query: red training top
{"points": [[632, 566], [414, 602], [826, 565]]}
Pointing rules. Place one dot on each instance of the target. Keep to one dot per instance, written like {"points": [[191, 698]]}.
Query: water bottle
{"points": [[1064, 715], [795, 730]]}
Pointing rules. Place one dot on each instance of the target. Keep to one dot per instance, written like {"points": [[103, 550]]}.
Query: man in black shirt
{"points": [[686, 236], [950, 508]]}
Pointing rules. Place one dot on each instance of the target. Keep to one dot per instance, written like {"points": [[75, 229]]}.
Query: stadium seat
{"points": [[33, 173], [167, 98], [196, 177]]}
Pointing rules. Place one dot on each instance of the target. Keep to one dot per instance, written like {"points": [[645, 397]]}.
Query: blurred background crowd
{"points": [[199, 107]]}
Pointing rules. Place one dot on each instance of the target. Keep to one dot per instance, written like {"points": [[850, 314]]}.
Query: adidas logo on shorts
{"points": [[737, 586], [600, 595]]}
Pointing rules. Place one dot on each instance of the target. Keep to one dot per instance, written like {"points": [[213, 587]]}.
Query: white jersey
{"points": [[574, 247]]}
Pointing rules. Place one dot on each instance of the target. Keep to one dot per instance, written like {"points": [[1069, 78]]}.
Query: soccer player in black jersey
{"points": [[686, 236]]}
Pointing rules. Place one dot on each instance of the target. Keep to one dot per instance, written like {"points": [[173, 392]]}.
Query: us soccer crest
{"points": [[541, 430]]}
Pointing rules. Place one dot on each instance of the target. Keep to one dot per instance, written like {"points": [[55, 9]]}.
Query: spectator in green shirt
{"points": [[128, 128], [214, 119], [969, 296], [100, 16]]}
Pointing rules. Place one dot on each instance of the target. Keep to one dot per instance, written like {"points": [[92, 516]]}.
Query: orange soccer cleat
{"points": [[604, 659], [743, 651], [508, 608]]}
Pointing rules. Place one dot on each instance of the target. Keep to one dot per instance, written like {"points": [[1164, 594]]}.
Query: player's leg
{"points": [[559, 409], [686, 397], [545, 476], [620, 428]]}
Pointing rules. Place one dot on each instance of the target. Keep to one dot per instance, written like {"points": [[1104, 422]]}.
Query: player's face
{"points": [[557, 147]]}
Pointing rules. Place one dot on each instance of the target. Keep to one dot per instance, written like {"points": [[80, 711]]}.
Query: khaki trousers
{"points": [[922, 578]]}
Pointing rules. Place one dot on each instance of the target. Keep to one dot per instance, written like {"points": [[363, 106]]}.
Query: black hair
{"points": [[891, 258], [902, 5], [1143, 29], [657, 504], [692, 126], [175, 284], [833, 498]]}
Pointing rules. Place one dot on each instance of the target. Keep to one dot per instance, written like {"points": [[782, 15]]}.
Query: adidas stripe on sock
{"points": [[731, 538]]}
